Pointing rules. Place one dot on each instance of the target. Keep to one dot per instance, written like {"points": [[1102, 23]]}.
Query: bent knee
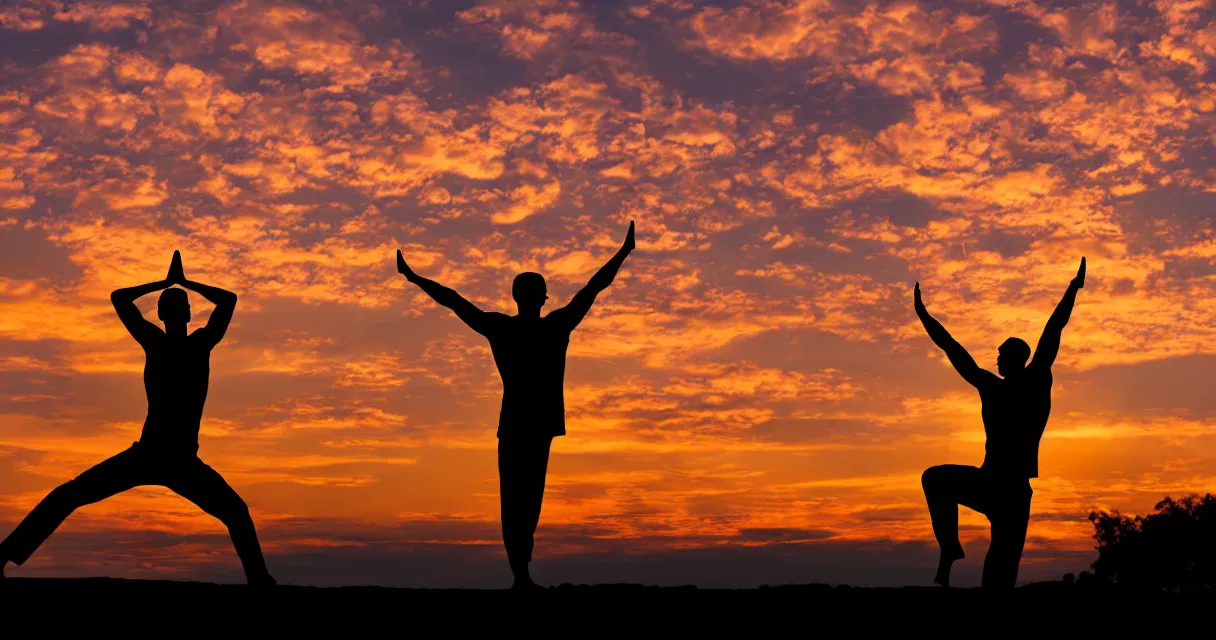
{"points": [[238, 511], [932, 477], [230, 510]]}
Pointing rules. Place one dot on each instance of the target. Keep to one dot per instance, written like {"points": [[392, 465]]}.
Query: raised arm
{"points": [[962, 361], [1049, 343], [477, 319], [224, 301], [132, 319], [574, 312]]}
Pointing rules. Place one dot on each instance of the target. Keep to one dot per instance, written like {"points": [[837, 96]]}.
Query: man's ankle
{"points": [[261, 580]]}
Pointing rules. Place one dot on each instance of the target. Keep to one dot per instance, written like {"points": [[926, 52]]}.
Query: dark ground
{"points": [[167, 609]]}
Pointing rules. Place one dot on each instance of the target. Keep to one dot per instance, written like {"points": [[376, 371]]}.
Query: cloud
{"points": [[533, 28], [105, 16], [310, 43], [24, 16], [194, 103]]}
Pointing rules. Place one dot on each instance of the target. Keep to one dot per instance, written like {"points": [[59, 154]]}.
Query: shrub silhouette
{"points": [[1173, 549]]}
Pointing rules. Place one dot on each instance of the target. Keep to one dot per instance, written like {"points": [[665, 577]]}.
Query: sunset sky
{"points": [[752, 401]]}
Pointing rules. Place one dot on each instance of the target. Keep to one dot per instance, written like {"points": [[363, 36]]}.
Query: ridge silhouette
{"points": [[1016, 405], [176, 373], [530, 353]]}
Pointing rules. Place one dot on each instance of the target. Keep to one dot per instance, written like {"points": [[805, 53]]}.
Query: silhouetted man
{"points": [[530, 352], [1015, 410], [176, 372]]}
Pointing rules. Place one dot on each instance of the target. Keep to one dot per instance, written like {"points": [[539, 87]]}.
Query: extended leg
{"points": [[534, 493], [509, 498], [522, 467], [946, 487], [206, 488], [1009, 523], [113, 476]]}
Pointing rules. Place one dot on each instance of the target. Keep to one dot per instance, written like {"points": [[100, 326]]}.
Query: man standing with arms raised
{"points": [[177, 369], [1015, 408], [530, 352]]}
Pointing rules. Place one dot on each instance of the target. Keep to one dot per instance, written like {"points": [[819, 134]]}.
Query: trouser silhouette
{"points": [[184, 474], [522, 465], [1006, 502]]}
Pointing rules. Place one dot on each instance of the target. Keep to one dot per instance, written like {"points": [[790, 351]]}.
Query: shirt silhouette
{"points": [[530, 353], [176, 373], [1015, 408]]}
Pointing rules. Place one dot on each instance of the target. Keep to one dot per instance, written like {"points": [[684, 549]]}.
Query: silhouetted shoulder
{"points": [[152, 338], [565, 318], [1041, 372], [985, 379], [492, 321], [202, 336]]}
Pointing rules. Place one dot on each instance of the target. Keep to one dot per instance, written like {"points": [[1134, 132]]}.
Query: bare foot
{"points": [[525, 584], [943, 566], [265, 582]]}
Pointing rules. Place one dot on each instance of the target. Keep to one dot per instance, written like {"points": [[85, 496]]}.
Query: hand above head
{"points": [[581, 304], [215, 295], [403, 268], [177, 274], [629, 243], [1049, 343], [955, 352]]}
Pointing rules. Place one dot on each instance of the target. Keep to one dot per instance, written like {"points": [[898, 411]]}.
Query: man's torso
{"points": [[1015, 413], [531, 359], [176, 376]]}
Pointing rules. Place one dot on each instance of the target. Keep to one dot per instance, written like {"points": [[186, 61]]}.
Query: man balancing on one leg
{"points": [[176, 372], [530, 352], [1015, 410]]}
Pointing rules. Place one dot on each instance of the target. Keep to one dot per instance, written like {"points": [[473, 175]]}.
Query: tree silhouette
{"points": [[1173, 549]]}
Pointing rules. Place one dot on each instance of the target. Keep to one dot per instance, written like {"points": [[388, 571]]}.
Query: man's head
{"points": [[173, 306], [529, 290], [1012, 356]]}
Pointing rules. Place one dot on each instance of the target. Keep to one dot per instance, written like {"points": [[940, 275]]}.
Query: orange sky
{"points": [[752, 401]]}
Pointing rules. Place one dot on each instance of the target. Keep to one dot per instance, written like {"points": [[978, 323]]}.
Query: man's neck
{"points": [[175, 330], [531, 313]]}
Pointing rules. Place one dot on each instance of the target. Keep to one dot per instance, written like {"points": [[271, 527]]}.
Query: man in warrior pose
{"points": [[176, 373]]}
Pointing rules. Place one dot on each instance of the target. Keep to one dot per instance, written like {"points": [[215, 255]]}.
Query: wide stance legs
{"points": [[522, 465], [1005, 501], [186, 475]]}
